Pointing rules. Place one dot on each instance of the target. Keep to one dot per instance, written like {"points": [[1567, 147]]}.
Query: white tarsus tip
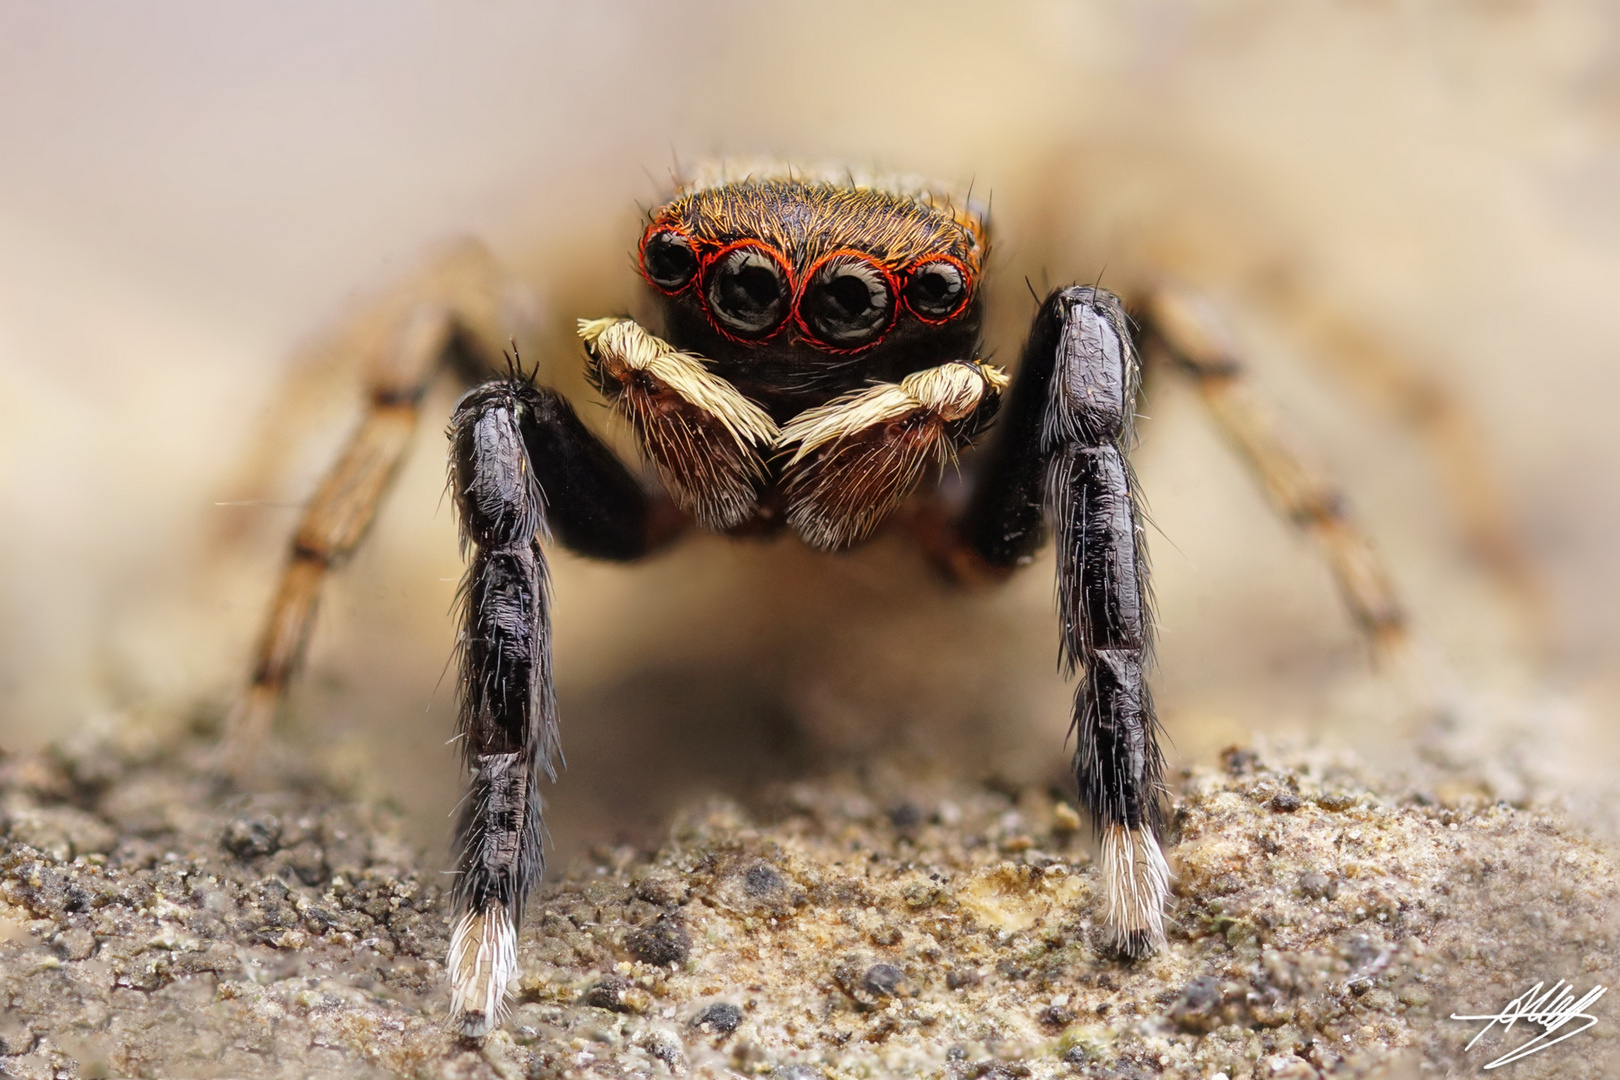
{"points": [[1137, 882], [483, 960]]}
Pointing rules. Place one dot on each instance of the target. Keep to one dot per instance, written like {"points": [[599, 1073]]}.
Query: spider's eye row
{"points": [[747, 290], [668, 260], [849, 302], [936, 290]]}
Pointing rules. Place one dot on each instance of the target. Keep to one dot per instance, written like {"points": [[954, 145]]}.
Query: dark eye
{"points": [[668, 260], [937, 290], [747, 291], [848, 303]]}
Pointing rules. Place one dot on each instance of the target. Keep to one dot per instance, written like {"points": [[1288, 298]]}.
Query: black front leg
{"points": [[1061, 458], [521, 464]]}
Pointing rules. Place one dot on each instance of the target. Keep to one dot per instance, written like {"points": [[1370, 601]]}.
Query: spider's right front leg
{"points": [[522, 466], [1061, 456]]}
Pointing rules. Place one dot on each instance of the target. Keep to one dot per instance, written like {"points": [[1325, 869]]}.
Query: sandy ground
{"points": [[156, 923]]}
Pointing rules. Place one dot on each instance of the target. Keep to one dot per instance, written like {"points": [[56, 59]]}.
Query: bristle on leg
{"points": [[482, 962], [1137, 883]]}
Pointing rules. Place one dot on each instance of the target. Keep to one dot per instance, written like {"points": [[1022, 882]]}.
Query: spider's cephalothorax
{"points": [[818, 352], [814, 364], [796, 290]]}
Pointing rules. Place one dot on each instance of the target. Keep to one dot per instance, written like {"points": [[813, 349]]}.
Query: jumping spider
{"points": [[816, 360]]}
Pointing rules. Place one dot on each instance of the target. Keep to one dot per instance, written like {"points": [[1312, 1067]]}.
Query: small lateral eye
{"points": [[936, 290], [668, 260], [747, 290], [849, 302]]}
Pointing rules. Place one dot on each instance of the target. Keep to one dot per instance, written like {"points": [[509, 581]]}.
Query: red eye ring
{"points": [[659, 228], [712, 258], [890, 281], [961, 305]]}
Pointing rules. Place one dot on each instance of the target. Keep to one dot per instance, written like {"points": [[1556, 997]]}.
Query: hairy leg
{"points": [[1183, 330], [452, 310], [1061, 459], [521, 467], [1404, 390]]}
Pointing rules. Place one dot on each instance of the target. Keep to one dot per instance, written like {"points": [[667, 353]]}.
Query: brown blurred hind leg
{"points": [[1177, 327], [407, 352], [1452, 434]]}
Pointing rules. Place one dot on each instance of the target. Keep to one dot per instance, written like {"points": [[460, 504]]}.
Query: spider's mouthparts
{"points": [[704, 436]]}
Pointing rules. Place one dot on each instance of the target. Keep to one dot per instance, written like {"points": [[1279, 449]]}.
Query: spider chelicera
{"points": [[815, 363]]}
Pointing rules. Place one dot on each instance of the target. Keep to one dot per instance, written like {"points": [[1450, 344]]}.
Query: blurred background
{"points": [[193, 198]]}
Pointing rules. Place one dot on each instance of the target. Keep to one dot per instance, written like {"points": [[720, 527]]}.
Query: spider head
{"points": [[800, 287]]}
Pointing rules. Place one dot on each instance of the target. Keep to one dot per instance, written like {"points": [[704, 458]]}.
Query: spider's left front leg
{"points": [[1061, 456], [522, 466]]}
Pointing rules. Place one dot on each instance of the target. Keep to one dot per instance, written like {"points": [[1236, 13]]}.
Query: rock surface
{"points": [[154, 922]]}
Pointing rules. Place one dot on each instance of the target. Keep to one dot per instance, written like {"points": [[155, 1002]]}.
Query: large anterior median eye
{"points": [[747, 290], [848, 302], [936, 289], [668, 260]]}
